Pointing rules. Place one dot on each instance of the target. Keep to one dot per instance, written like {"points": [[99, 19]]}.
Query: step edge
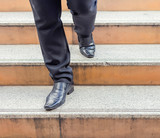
{"points": [[144, 23], [88, 63], [79, 114]]}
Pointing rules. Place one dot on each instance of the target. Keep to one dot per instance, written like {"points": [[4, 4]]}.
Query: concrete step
{"points": [[89, 112], [103, 5], [112, 65], [139, 27]]}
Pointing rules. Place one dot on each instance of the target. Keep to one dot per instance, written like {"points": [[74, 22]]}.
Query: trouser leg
{"points": [[84, 14], [54, 46]]}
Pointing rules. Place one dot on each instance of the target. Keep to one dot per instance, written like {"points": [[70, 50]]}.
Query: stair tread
{"points": [[127, 54], [103, 18], [87, 101]]}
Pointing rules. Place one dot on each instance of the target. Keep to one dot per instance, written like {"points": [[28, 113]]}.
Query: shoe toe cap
{"points": [[87, 51]]}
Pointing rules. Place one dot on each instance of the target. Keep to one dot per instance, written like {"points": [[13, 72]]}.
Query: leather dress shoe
{"points": [[58, 95], [86, 46]]}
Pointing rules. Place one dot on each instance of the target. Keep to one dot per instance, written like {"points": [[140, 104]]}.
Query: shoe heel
{"points": [[70, 91]]}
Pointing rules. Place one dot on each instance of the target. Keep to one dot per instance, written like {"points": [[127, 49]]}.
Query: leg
{"points": [[84, 14], [54, 46]]}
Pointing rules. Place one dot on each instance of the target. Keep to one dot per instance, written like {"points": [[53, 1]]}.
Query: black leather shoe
{"points": [[58, 95], [86, 46]]}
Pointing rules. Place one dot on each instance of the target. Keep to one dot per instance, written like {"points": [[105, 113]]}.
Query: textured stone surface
{"points": [[105, 55], [103, 18], [85, 101]]}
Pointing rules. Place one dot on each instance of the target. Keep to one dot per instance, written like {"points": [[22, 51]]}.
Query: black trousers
{"points": [[53, 43]]}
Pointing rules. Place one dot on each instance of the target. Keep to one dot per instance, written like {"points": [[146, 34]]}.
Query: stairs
{"points": [[104, 104], [91, 111], [137, 27], [112, 65]]}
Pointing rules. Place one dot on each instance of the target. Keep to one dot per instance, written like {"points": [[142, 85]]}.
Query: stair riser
{"points": [[83, 75], [80, 127], [32, 128], [102, 34], [117, 128], [103, 5]]}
